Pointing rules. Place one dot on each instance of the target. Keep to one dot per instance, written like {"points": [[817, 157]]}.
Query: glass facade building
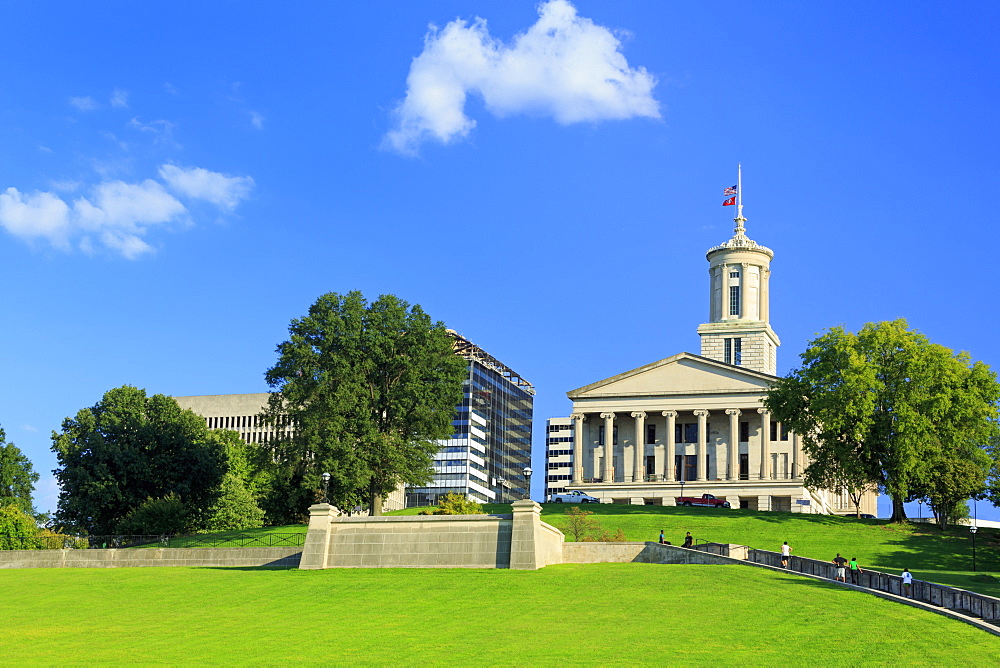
{"points": [[485, 458]]}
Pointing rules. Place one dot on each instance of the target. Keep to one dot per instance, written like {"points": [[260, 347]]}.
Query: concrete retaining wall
{"points": [[645, 553], [520, 540], [276, 557]]}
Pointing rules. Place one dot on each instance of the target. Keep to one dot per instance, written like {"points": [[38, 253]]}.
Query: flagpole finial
{"points": [[739, 220]]}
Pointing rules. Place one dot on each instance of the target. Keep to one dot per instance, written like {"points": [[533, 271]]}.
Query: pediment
{"points": [[682, 373]]}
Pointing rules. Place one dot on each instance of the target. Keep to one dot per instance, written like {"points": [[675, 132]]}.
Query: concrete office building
{"points": [[696, 422]]}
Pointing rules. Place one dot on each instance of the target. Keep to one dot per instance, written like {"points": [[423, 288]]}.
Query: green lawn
{"points": [[600, 614]]}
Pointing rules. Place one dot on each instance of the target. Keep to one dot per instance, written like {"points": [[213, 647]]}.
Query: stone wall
{"points": [[645, 553], [520, 540], [275, 557]]}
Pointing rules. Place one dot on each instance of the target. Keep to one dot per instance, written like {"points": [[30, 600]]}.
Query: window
{"points": [[732, 351], [775, 426], [600, 435], [734, 300], [734, 274], [651, 433], [686, 432], [744, 432]]}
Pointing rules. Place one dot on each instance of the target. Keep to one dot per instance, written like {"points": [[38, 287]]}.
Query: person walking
{"points": [[841, 564], [855, 569], [786, 551], [907, 583], [688, 540]]}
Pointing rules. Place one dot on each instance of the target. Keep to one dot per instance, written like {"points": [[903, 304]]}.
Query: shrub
{"points": [[168, 515], [455, 504], [17, 529]]}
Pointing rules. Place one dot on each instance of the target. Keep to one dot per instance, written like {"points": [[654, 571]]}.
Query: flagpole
{"points": [[739, 191]]}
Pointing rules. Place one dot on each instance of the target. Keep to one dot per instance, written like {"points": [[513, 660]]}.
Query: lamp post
{"points": [[920, 505], [973, 529], [326, 486], [682, 486], [527, 476]]}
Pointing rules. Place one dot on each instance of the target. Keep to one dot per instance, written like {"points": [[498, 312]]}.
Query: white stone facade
{"points": [[690, 424]]}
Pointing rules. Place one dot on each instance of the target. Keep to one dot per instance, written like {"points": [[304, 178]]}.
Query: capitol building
{"points": [[695, 424]]}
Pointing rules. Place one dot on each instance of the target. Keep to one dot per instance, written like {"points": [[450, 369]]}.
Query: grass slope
{"points": [[599, 614], [932, 555]]}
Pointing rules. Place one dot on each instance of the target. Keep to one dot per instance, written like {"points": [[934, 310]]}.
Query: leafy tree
{"points": [[17, 528], [238, 504], [887, 408], [129, 448], [17, 477], [368, 390], [581, 523]]}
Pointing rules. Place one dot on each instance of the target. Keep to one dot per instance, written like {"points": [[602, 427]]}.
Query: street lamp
{"points": [[973, 529], [682, 486], [501, 483], [920, 503], [527, 475], [326, 485]]}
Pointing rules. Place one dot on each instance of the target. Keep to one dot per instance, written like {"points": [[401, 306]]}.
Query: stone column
{"points": [[578, 419], [702, 416], [638, 466], [711, 294], [609, 447], [671, 446], [317, 546], [765, 443], [796, 457], [527, 548], [724, 278], [734, 443], [767, 295], [743, 290]]}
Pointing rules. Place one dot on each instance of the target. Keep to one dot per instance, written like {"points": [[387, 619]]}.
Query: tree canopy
{"points": [[887, 408], [367, 389], [130, 448], [17, 476]]}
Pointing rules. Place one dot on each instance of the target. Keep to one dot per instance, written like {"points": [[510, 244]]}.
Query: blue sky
{"points": [[179, 180]]}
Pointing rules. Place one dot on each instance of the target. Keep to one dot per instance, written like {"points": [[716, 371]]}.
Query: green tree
{"points": [[455, 504], [17, 477], [368, 389], [129, 448], [887, 408], [238, 504], [17, 528], [166, 516], [581, 523]]}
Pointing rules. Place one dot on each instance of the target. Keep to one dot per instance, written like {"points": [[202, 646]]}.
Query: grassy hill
{"points": [[932, 555], [598, 614]]}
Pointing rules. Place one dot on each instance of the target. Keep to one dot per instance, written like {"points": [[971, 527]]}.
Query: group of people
{"points": [[688, 540], [842, 564]]}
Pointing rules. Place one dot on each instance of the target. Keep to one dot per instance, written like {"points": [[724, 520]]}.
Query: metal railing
{"points": [[60, 542]]}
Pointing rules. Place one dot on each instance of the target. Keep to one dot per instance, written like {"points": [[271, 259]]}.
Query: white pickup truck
{"points": [[576, 496]]}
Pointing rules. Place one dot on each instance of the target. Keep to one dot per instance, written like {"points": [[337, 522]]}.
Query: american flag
{"points": [[729, 191]]}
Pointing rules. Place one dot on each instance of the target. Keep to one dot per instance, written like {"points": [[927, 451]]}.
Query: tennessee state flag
{"points": [[730, 202]]}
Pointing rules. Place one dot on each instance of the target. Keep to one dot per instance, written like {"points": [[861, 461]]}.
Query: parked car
{"points": [[576, 496], [709, 500]]}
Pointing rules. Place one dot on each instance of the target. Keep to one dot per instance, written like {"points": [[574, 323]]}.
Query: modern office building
{"points": [[486, 456], [691, 424]]}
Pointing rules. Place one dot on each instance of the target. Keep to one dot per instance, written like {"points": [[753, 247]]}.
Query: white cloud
{"points": [[155, 127], [84, 103], [257, 120], [564, 66], [219, 189], [119, 99], [35, 215], [114, 214]]}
